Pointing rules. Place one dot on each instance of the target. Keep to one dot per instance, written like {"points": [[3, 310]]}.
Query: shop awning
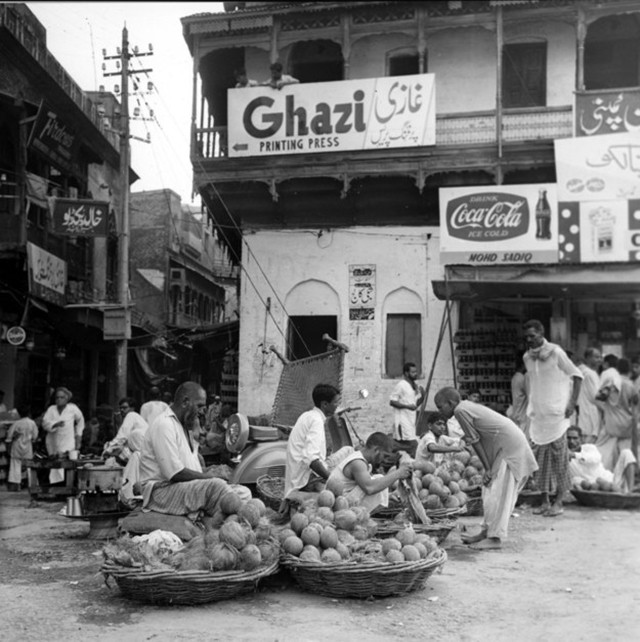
{"points": [[595, 281]]}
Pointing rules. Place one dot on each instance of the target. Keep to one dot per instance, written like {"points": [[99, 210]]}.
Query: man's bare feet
{"points": [[471, 538], [487, 544], [543, 509]]}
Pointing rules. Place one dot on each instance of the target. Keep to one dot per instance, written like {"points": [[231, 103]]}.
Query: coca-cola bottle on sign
{"points": [[543, 216]]}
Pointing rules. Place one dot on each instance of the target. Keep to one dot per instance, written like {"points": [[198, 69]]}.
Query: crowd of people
{"points": [[571, 422]]}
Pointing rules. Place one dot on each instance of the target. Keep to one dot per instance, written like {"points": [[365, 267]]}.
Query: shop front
{"points": [[581, 304]]}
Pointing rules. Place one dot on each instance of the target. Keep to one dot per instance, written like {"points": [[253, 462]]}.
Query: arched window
{"points": [[316, 61]]}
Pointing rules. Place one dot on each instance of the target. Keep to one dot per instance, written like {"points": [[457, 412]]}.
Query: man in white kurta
{"points": [[152, 408], [308, 467], [589, 415], [170, 472], [506, 456], [405, 400], [131, 421], [554, 386], [64, 425]]}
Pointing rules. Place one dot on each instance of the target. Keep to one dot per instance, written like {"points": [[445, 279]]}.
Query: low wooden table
{"points": [[39, 490]]}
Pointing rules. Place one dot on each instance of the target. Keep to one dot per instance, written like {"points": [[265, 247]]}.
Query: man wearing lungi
{"points": [[171, 475], [506, 456], [554, 386]]}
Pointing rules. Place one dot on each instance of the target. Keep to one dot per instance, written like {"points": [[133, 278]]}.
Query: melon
{"points": [[444, 476], [406, 536], [250, 557], [475, 462], [422, 549], [284, 533], [585, 485], [343, 550], [410, 553], [310, 554], [233, 534], [455, 476], [461, 497], [423, 494], [430, 544], [211, 537], [263, 531], [360, 533], [470, 471], [310, 535], [394, 556], [463, 456], [454, 487], [345, 520], [216, 520], [345, 537], [391, 544], [329, 538], [250, 513], [317, 525], [421, 538], [293, 545], [232, 518], [223, 557], [372, 527], [331, 556], [361, 513], [435, 487], [427, 479], [452, 502], [476, 480], [443, 492], [428, 467], [463, 483], [433, 502], [456, 466], [259, 504], [299, 521], [230, 503], [195, 562], [326, 498], [325, 513], [341, 503]]}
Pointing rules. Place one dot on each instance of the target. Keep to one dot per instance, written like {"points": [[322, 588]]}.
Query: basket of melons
{"points": [[604, 494], [331, 548], [236, 550]]}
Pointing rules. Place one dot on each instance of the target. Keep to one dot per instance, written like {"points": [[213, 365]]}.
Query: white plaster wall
{"points": [[308, 274], [464, 61]]}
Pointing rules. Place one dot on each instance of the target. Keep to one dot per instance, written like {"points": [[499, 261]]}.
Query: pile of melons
{"points": [[328, 530], [238, 537], [444, 486], [599, 484]]}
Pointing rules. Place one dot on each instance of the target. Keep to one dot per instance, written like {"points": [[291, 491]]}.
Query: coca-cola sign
{"points": [[499, 225], [488, 216]]}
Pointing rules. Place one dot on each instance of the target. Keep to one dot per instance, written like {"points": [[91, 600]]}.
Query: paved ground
{"points": [[576, 577]]}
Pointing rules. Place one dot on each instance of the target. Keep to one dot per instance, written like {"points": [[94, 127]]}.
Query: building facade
{"points": [[59, 197], [332, 192]]}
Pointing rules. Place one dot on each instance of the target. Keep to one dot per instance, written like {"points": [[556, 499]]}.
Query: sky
{"points": [[77, 33]]}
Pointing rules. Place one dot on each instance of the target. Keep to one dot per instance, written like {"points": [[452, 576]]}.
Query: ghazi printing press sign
{"points": [[370, 113], [498, 225]]}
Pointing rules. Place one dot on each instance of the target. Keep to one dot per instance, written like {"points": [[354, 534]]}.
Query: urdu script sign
{"points": [[370, 113]]}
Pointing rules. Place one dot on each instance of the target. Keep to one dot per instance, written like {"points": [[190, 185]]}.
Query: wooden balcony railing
{"points": [[477, 128]]}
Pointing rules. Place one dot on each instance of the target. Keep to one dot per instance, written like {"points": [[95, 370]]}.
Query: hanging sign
{"points": [[362, 292], [55, 140], [498, 224], [16, 335], [607, 111], [47, 275], [74, 217], [369, 113]]}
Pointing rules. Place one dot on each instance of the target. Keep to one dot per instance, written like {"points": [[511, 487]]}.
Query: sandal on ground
{"points": [[487, 544], [472, 539], [541, 510], [554, 512]]}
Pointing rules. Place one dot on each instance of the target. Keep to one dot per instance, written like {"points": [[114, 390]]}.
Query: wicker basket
{"points": [[271, 490], [438, 531], [474, 507], [602, 499], [184, 587], [363, 579]]}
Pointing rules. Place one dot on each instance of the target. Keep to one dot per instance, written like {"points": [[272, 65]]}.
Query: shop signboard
{"points": [[75, 217], [598, 168], [55, 140], [498, 224], [607, 111], [362, 292], [47, 275], [369, 113]]}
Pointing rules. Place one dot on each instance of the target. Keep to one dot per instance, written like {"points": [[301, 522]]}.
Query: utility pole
{"points": [[122, 344]]}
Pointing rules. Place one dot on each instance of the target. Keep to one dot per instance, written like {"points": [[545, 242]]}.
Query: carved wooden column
{"points": [[346, 46], [581, 29]]}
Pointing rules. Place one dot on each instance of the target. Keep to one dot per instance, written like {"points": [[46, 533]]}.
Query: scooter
{"points": [[262, 450]]}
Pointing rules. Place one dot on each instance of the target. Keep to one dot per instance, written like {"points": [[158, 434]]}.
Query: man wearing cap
{"points": [[153, 407]]}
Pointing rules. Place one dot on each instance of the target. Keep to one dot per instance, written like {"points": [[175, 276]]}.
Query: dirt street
{"points": [[575, 577]]}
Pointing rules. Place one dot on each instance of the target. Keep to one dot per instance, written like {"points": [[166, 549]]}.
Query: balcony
{"points": [[452, 130]]}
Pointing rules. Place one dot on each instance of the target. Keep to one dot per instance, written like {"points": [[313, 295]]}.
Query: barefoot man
{"points": [[506, 456]]}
